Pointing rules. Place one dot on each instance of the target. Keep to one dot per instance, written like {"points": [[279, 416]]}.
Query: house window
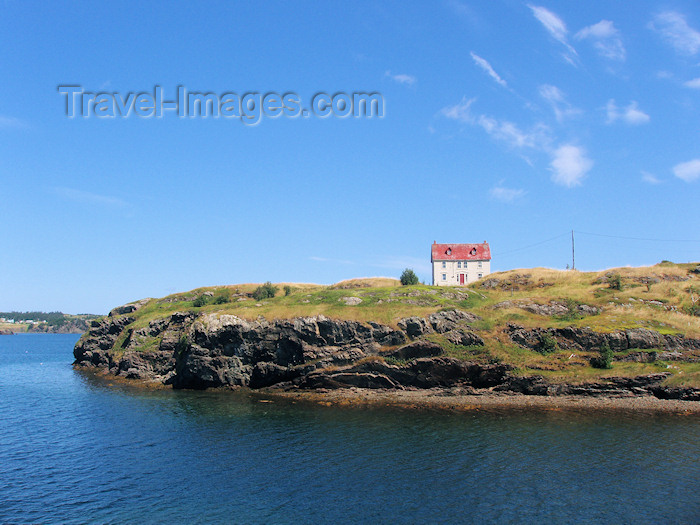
{"points": [[444, 264], [444, 276], [459, 264], [481, 275], [465, 264], [479, 264]]}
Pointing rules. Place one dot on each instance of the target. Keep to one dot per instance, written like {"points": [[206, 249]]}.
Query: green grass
{"points": [[385, 301]]}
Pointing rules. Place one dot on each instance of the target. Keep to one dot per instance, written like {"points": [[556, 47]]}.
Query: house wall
{"points": [[472, 270]]}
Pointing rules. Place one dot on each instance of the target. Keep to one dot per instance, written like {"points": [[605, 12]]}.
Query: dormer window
{"points": [[473, 252], [449, 251]]}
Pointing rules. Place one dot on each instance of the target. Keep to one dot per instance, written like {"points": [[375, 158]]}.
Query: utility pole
{"points": [[573, 253]]}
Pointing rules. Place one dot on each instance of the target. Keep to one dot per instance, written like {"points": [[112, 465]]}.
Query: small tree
{"points": [[615, 281], [287, 290], [408, 277], [547, 344], [265, 291], [200, 301], [604, 359]]}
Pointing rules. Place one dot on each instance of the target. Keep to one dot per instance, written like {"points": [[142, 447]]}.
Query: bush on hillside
{"points": [[605, 357], [615, 281], [408, 277], [548, 344], [266, 291], [200, 301]]}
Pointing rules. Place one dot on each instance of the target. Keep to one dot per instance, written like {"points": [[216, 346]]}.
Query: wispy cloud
{"points": [[401, 78], [510, 133], [86, 197], [484, 64], [674, 29], [459, 111], [503, 194], [693, 84], [650, 178], [329, 260], [556, 27], [606, 39], [502, 130], [554, 96], [12, 123], [688, 171], [630, 114], [569, 165]]}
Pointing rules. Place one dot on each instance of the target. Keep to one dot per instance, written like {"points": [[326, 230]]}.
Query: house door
{"points": [[461, 278]]}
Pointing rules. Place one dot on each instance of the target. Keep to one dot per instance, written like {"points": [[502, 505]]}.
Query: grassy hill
{"points": [[662, 298]]}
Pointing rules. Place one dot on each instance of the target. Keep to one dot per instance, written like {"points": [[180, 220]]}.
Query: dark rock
{"points": [[128, 308], [448, 320], [415, 326], [416, 350], [464, 337]]}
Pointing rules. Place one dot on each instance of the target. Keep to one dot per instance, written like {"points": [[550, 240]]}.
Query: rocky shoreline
{"points": [[318, 354]]}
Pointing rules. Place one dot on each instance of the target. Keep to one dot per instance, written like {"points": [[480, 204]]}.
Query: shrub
{"points": [[182, 345], [548, 344], [408, 277], [573, 312], [287, 290], [265, 291], [222, 299], [199, 301], [615, 281], [605, 357]]}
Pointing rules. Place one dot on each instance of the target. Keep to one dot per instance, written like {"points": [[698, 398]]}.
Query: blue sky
{"points": [[504, 121]]}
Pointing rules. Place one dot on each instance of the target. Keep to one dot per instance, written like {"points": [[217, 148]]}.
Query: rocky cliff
{"points": [[205, 350]]}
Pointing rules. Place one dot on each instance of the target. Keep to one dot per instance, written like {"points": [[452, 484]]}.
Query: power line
{"points": [[532, 245], [636, 238]]}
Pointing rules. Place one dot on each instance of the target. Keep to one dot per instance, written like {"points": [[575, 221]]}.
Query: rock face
{"points": [[582, 339], [194, 351]]}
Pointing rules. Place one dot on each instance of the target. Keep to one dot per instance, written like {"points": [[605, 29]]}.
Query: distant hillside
{"points": [[46, 322]]}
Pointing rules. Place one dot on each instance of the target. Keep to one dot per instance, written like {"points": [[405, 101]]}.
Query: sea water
{"points": [[78, 449]]}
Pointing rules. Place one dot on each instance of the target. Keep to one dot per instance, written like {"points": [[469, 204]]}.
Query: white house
{"points": [[459, 264]]}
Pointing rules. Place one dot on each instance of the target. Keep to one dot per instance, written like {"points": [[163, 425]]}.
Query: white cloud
{"points": [[631, 114], [510, 133], [506, 194], [606, 39], [459, 111], [503, 130], [649, 178], [12, 123], [556, 27], [401, 78], [569, 165], [688, 171], [483, 64], [557, 100], [673, 28], [85, 197], [334, 261], [693, 84]]}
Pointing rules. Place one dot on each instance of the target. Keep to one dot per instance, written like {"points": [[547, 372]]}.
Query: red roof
{"points": [[460, 252]]}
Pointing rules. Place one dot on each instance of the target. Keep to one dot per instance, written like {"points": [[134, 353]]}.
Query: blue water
{"points": [[74, 449]]}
